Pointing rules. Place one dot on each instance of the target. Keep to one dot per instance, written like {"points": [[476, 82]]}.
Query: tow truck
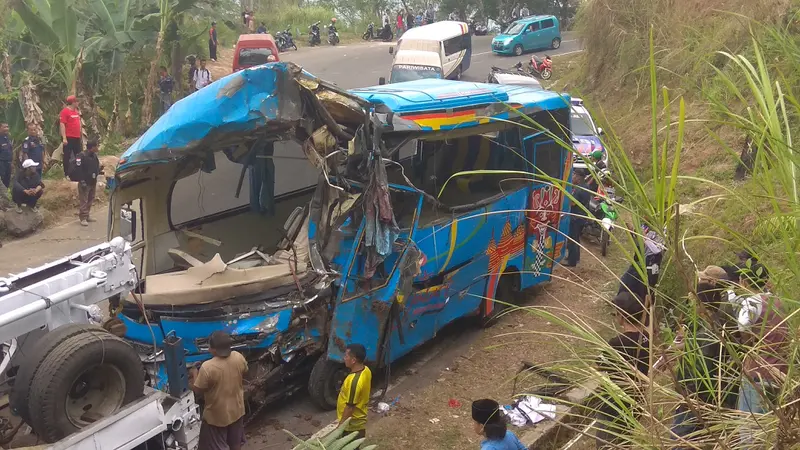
{"points": [[75, 383]]}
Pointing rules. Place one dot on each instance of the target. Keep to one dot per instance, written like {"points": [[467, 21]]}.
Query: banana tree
{"points": [[119, 31], [169, 10], [56, 25]]}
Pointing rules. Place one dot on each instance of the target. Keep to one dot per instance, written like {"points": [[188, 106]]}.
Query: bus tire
{"points": [[518, 50], [556, 43], [325, 382], [85, 378], [508, 288], [20, 395]]}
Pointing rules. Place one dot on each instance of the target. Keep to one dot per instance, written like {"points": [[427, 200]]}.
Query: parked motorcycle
{"points": [[542, 68], [605, 216], [370, 33], [313, 34], [333, 35], [384, 34], [478, 29], [285, 40]]}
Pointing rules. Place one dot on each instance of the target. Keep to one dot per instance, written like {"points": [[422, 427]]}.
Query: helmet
{"points": [[597, 154], [333, 19]]}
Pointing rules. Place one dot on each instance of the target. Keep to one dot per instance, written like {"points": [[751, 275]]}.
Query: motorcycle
{"points": [[333, 35], [285, 40], [370, 33], [601, 206], [313, 34], [542, 68], [478, 29], [384, 34]]}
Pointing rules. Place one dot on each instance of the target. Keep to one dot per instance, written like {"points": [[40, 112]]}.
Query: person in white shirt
{"points": [[524, 12], [202, 77]]}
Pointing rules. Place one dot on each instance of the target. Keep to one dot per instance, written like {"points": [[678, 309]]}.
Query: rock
{"points": [[2, 221], [23, 224]]}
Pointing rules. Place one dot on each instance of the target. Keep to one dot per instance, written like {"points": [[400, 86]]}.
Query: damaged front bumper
{"points": [[279, 329]]}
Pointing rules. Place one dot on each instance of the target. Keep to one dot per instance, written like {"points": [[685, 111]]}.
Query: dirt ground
{"points": [[437, 414]]}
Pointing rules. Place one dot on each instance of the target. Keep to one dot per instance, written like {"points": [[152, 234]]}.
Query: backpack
{"points": [[75, 169]]}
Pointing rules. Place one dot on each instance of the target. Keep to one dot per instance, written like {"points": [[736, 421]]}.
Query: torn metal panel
{"points": [[272, 98]]}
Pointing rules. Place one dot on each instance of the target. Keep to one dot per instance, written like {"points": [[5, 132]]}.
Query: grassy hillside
{"points": [[688, 37], [722, 71]]}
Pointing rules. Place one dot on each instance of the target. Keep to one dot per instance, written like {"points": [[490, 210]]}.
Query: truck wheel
{"points": [[507, 291], [84, 379], [30, 364], [518, 50], [325, 382]]}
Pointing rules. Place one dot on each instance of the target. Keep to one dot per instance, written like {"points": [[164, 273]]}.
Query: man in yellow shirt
{"points": [[220, 382], [354, 395]]}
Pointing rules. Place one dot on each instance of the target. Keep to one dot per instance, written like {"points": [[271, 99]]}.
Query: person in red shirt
{"points": [[71, 132]]}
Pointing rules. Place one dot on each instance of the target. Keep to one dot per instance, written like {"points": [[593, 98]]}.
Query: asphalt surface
{"points": [[361, 64], [349, 66]]}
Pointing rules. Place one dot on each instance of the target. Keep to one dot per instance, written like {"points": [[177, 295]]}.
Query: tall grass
{"points": [[760, 215]]}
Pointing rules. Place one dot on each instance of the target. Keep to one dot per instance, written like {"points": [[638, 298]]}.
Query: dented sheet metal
{"points": [[264, 97]]}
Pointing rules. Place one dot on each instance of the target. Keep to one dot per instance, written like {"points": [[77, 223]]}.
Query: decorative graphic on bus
{"points": [[544, 215]]}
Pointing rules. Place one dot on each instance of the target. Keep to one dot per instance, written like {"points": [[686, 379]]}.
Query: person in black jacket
{"points": [[580, 193], [28, 186], [87, 167], [6, 155]]}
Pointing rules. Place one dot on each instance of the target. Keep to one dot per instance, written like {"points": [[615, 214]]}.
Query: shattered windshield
{"points": [[407, 72]]}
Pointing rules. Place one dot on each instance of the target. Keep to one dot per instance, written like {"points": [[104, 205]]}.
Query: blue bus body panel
{"points": [[461, 259]]}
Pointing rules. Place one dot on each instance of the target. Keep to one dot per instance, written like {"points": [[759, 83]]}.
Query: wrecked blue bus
{"points": [[300, 218]]}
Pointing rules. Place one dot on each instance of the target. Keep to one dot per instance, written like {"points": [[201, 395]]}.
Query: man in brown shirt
{"points": [[220, 382]]}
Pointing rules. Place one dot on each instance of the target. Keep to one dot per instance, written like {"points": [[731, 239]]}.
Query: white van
{"points": [[439, 50]]}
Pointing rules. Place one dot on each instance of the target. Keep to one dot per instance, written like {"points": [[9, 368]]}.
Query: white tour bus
{"points": [[439, 50]]}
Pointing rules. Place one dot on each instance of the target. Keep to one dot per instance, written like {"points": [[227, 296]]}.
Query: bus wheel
{"points": [[325, 382], [518, 50], [507, 294]]}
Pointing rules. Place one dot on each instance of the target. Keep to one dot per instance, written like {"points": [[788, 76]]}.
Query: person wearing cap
{"points": [[71, 132], [32, 148], [354, 395], [6, 155], [220, 382], [487, 421], [86, 169], [212, 42], [28, 186]]}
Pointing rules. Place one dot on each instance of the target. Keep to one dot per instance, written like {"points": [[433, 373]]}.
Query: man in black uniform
{"points": [[87, 167], [28, 187], [33, 149], [6, 155], [577, 220]]}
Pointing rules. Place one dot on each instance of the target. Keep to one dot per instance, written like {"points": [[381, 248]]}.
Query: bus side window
{"points": [[453, 45]]}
